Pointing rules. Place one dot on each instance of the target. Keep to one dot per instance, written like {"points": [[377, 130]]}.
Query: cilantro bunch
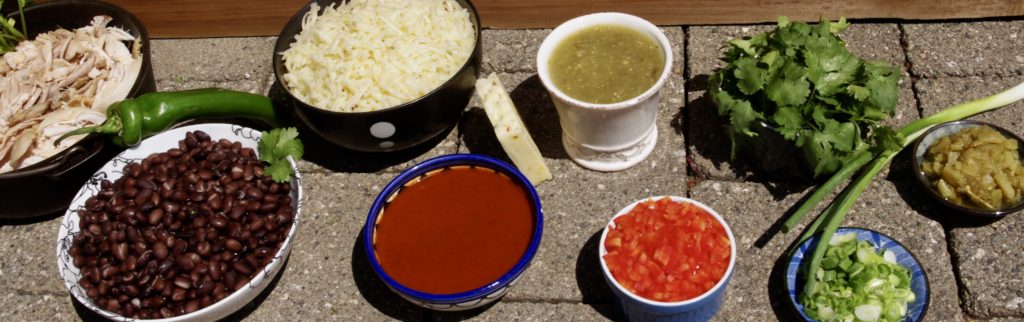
{"points": [[802, 82]]}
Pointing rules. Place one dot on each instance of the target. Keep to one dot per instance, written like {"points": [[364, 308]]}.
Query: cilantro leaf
{"points": [[790, 122], [279, 171], [751, 77], [275, 147], [790, 86]]}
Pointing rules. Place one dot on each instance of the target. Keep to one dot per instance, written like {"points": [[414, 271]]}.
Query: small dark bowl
{"points": [[398, 127], [939, 131], [48, 186]]}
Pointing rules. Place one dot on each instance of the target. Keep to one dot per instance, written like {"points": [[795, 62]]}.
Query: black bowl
{"points": [[937, 132], [48, 186], [398, 127]]}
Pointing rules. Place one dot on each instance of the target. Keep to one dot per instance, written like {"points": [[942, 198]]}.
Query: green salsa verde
{"points": [[606, 64]]}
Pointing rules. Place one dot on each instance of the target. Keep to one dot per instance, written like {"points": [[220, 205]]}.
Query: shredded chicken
{"points": [[58, 82]]}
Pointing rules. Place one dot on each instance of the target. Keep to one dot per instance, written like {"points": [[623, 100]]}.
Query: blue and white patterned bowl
{"points": [[156, 144], [465, 300], [918, 279]]}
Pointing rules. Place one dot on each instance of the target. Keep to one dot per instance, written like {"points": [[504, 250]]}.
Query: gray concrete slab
{"points": [[37, 307], [989, 264], [987, 255], [506, 310], [752, 208], [979, 48], [511, 51], [30, 263], [245, 85], [213, 59]]}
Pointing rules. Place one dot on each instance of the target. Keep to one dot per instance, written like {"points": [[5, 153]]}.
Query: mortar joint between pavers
{"points": [[905, 46]]}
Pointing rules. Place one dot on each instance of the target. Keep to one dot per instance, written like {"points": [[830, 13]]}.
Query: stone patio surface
{"points": [[974, 268]]}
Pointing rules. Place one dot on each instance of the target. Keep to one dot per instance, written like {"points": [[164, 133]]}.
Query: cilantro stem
{"points": [[858, 161]]}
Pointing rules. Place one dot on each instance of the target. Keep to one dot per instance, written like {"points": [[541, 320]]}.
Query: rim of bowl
{"points": [[279, 257], [437, 163], [921, 149], [721, 281], [548, 45], [133, 23], [282, 45], [927, 285]]}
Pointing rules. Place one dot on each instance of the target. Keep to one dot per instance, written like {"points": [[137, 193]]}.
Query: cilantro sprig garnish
{"points": [[802, 81], [275, 147]]}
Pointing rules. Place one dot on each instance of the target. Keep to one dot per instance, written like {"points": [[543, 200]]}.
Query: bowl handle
{"points": [[73, 157]]}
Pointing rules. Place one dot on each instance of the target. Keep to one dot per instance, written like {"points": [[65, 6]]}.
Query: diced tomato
{"points": [[667, 251]]}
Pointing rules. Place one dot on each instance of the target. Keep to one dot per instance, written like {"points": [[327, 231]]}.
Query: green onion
{"points": [[871, 288]]}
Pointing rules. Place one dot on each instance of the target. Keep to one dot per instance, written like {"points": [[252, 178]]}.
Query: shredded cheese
{"points": [[366, 55]]}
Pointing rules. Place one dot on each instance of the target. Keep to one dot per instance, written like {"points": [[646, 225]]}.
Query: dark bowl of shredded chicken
{"points": [[77, 58]]}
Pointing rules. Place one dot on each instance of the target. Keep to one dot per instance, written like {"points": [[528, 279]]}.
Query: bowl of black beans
{"points": [[184, 226]]}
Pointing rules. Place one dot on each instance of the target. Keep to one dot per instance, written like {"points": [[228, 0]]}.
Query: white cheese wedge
{"points": [[509, 129]]}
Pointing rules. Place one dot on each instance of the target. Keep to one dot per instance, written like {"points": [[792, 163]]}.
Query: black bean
{"points": [[233, 245], [121, 251], [178, 294], [191, 306], [160, 250], [242, 267], [182, 282], [216, 202], [180, 246], [156, 216], [109, 271], [242, 281]]}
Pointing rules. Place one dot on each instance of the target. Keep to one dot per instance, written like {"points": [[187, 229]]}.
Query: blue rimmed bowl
{"points": [[918, 278], [470, 299]]}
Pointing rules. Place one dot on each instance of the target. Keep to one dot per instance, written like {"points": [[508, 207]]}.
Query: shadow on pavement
{"points": [[778, 295], [591, 282], [339, 159]]}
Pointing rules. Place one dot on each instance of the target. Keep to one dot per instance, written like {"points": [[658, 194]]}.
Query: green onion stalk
{"points": [[887, 146]]}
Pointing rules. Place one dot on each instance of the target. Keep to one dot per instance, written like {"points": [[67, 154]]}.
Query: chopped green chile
{"points": [[976, 167], [857, 283]]}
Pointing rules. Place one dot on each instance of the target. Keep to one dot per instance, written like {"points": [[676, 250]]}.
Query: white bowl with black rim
{"points": [[112, 170]]}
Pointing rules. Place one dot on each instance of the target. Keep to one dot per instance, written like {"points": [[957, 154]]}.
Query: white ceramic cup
{"points": [[606, 137]]}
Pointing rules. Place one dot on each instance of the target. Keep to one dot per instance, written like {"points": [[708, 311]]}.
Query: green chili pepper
{"points": [[132, 120]]}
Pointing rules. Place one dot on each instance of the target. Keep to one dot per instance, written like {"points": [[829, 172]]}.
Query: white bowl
{"points": [[113, 170], [606, 137]]}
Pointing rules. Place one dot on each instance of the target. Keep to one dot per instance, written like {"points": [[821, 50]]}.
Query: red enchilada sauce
{"points": [[454, 230]]}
